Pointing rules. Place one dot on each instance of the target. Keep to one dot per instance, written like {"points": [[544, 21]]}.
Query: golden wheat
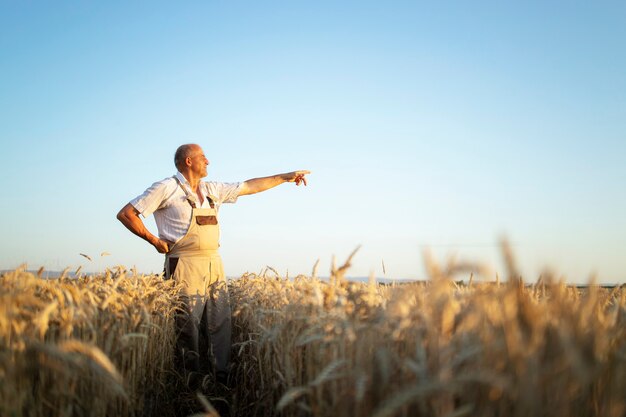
{"points": [[89, 346], [307, 347], [103, 346]]}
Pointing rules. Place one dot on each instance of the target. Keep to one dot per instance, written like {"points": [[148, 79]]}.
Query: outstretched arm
{"points": [[129, 216], [256, 185]]}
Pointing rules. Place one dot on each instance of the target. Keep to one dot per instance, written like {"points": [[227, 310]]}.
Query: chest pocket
{"points": [[206, 220]]}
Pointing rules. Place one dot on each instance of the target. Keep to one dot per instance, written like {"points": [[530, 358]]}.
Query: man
{"points": [[185, 209]]}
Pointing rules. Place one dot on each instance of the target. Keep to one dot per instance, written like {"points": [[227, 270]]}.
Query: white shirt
{"points": [[172, 212]]}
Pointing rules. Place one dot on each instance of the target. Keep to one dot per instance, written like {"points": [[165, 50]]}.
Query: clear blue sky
{"points": [[426, 124]]}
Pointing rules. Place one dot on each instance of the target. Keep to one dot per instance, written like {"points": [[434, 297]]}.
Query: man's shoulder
{"points": [[165, 186], [167, 182], [163, 190], [218, 185], [154, 196], [212, 183]]}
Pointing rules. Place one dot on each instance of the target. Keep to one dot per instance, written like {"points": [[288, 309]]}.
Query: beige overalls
{"points": [[205, 324]]}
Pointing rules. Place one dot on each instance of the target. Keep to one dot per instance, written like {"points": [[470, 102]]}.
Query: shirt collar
{"points": [[182, 179], [187, 187], [205, 192]]}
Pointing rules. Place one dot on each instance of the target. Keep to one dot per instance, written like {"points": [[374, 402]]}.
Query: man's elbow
{"points": [[124, 214], [121, 216]]}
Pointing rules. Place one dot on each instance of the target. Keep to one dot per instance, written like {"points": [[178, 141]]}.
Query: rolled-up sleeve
{"points": [[151, 199], [224, 192]]}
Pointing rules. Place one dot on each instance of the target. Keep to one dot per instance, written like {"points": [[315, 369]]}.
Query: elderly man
{"points": [[186, 213]]}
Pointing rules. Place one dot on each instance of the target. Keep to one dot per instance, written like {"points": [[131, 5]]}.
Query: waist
{"points": [[195, 253]]}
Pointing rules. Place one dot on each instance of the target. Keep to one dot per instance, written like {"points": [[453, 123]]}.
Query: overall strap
{"points": [[189, 198]]}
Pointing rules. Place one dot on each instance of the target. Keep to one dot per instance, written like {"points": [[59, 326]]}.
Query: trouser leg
{"points": [[219, 325], [187, 340]]}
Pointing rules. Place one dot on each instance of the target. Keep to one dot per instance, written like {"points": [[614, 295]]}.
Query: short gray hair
{"points": [[183, 152]]}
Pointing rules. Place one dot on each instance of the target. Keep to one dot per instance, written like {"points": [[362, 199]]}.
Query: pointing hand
{"points": [[298, 177]]}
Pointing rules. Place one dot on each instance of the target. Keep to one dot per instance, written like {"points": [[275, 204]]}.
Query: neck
{"points": [[192, 179]]}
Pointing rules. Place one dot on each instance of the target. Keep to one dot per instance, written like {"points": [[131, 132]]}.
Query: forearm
{"points": [[129, 217], [257, 185]]}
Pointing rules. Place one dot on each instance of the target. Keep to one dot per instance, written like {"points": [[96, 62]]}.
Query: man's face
{"points": [[199, 162]]}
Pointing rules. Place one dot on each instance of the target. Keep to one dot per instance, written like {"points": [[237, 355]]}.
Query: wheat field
{"points": [[96, 345], [103, 346]]}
